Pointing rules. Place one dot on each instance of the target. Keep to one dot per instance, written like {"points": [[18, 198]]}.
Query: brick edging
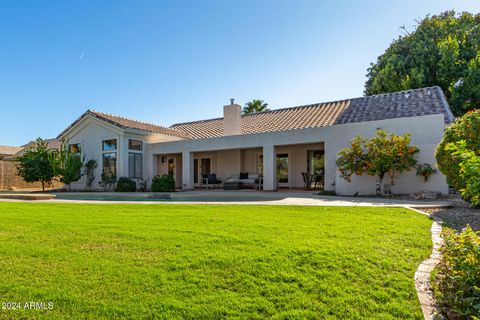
{"points": [[422, 275]]}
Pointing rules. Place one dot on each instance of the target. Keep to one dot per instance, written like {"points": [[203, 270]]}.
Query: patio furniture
{"points": [[232, 185], [317, 180], [247, 179], [306, 180], [259, 183], [313, 179], [212, 180]]}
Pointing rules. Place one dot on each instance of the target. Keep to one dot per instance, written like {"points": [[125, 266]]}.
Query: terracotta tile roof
{"points": [[124, 123], [308, 116], [411, 103], [9, 150], [53, 144]]}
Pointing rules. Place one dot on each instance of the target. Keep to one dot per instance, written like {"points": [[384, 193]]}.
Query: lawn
{"points": [[210, 262]]}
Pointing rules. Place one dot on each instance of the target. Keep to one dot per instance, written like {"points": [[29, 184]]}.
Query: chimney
{"points": [[232, 118]]}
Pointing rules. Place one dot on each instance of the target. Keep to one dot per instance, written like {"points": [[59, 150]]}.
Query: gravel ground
{"points": [[459, 215]]}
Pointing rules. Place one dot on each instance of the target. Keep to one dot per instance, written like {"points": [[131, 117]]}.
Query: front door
{"points": [[282, 170]]}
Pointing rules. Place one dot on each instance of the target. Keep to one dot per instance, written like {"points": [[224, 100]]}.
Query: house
{"points": [[280, 144], [8, 151]]}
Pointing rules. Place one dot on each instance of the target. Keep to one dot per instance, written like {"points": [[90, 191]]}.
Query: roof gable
{"points": [[126, 123]]}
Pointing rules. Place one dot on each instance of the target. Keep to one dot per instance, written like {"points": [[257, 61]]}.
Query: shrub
{"points": [[142, 185], [163, 183], [125, 184], [456, 284], [425, 170], [88, 172], [469, 171], [466, 128], [108, 181]]}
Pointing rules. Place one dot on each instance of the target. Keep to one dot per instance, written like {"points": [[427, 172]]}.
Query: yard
{"points": [[210, 262]]}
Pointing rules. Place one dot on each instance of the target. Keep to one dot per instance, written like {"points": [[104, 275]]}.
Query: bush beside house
{"points": [[163, 183], [125, 184], [458, 156]]}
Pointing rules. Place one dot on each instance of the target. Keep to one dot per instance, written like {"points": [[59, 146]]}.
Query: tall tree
{"points": [[67, 164], [443, 50], [35, 164], [255, 106]]}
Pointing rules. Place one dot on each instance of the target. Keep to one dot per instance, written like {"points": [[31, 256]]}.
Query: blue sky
{"points": [[176, 61]]}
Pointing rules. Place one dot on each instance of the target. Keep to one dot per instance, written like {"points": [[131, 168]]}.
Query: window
{"points": [[110, 163], [109, 145], [316, 162], [75, 148], [135, 145], [282, 167], [135, 165]]}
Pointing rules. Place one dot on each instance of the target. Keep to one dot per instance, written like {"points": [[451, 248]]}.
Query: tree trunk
{"points": [[43, 186], [378, 191]]}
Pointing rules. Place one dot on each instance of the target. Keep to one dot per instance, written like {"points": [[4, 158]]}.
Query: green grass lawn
{"points": [[210, 262]]}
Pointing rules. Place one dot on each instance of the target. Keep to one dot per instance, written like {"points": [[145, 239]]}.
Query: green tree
{"points": [[35, 164], [466, 128], [443, 50], [67, 165], [255, 106], [381, 155]]}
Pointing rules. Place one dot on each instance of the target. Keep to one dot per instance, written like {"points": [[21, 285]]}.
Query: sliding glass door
{"points": [[282, 170]]}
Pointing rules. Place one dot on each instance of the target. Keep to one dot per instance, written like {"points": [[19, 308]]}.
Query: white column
{"points": [[187, 170], [330, 169], [269, 168], [149, 164]]}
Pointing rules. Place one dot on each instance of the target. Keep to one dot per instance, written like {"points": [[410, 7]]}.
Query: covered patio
{"points": [[287, 167]]}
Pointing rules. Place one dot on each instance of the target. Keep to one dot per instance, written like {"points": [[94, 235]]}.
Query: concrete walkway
{"points": [[245, 198]]}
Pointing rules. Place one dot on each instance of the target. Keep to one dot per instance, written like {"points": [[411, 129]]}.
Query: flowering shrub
{"points": [[383, 154], [456, 283]]}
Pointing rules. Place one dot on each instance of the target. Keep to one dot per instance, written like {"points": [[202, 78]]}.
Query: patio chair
{"points": [[213, 181], [306, 180], [318, 181]]}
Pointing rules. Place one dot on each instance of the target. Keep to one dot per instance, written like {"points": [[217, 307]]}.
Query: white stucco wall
{"points": [[426, 133], [90, 132]]}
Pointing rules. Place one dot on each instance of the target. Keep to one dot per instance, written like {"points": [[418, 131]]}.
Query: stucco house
{"points": [[280, 144]]}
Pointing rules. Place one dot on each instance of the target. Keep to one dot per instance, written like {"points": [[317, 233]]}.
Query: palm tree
{"points": [[255, 106]]}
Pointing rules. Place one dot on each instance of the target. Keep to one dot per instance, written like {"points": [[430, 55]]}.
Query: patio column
{"points": [[187, 170], [149, 166], [269, 168]]}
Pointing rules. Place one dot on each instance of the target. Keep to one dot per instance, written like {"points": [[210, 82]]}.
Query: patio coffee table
{"points": [[232, 185]]}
